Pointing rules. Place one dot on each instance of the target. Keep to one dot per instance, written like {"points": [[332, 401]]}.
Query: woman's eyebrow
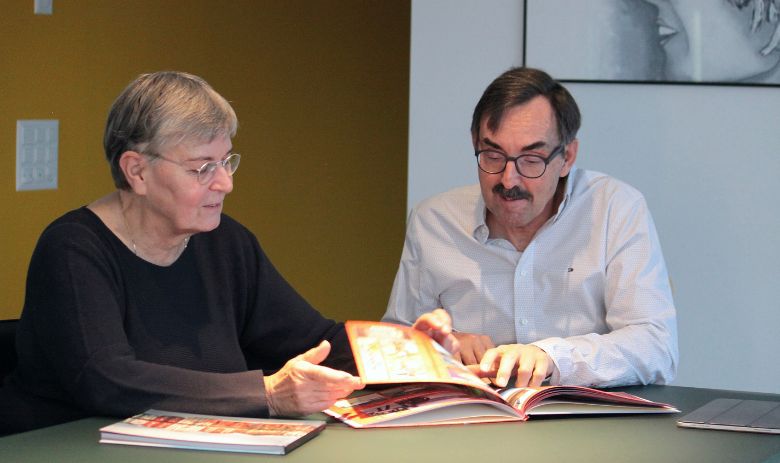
{"points": [[208, 158]]}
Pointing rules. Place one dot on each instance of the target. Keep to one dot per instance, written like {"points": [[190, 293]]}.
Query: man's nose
{"points": [[510, 176]]}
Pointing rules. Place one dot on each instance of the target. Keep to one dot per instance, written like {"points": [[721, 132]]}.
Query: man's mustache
{"points": [[512, 193]]}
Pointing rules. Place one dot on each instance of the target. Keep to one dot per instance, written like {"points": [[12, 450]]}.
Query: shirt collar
{"points": [[481, 231], [567, 189]]}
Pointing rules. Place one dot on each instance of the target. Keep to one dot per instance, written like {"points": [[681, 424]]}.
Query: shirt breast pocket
{"points": [[571, 282]]}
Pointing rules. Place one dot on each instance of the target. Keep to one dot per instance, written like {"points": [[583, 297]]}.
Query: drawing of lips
{"points": [[665, 33]]}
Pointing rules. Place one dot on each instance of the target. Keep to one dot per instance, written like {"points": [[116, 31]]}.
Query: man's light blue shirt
{"points": [[591, 288]]}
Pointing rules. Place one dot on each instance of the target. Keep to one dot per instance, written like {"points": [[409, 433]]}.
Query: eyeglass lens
{"points": [[207, 170], [530, 166]]}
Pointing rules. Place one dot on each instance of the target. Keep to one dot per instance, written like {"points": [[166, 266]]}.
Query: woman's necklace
{"points": [[130, 234], [135, 248]]}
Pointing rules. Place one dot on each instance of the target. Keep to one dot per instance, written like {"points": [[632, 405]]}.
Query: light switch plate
{"points": [[37, 143]]}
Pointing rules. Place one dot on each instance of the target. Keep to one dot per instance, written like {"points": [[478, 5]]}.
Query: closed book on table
{"points": [[159, 428]]}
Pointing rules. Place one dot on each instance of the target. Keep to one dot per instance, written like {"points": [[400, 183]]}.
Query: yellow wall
{"points": [[321, 92]]}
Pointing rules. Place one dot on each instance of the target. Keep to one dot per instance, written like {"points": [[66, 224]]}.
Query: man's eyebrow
{"points": [[531, 147], [491, 143], [534, 146]]}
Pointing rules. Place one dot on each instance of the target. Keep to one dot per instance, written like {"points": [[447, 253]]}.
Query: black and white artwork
{"points": [[731, 42]]}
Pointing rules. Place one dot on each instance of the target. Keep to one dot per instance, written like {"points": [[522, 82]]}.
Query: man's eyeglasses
{"points": [[528, 165], [207, 170]]}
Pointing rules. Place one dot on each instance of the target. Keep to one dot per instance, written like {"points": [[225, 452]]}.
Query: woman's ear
{"points": [[133, 164]]}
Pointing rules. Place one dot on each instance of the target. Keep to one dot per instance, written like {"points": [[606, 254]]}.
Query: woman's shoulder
{"points": [[229, 226], [230, 236], [79, 231], [81, 219]]}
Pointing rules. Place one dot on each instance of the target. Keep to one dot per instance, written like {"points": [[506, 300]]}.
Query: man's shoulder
{"points": [[463, 198], [461, 209], [594, 183]]}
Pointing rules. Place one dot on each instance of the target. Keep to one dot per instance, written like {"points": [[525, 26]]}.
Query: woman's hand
{"points": [[303, 387]]}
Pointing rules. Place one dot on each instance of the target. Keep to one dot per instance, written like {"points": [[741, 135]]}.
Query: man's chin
{"points": [[513, 206], [508, 217]]}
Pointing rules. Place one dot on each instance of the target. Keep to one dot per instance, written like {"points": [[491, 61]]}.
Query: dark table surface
{"points": [[633, 438]]}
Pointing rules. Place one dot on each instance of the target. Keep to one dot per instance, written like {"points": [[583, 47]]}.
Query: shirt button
{"points": [[523, 322], [523, 273]]}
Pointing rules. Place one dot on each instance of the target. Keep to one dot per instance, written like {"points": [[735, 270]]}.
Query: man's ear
{"points": [[569, 156], [475, 138], [133, 164]]}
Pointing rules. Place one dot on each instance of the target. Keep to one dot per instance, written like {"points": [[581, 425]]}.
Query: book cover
{"points": [[430, 387], [159, 428]]}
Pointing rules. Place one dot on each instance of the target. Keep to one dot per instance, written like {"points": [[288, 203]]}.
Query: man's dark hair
{"points": [[518, 86]]}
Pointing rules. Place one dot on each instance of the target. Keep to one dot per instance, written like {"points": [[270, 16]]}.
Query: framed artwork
{"points": [[716, 42]]}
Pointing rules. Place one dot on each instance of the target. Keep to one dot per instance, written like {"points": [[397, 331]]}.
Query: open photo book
{"points": [[428, 386]]}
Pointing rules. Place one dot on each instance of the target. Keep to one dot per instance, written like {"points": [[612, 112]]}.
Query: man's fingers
{"points": [[533, 367], [541, 369], [506, 367], [436, 324], [473, 347], [486, 365], [441, 321], [540, 373], [459, 357], [437, 321], [525, 368], [467, 356], [484, 343], [451, 344]]}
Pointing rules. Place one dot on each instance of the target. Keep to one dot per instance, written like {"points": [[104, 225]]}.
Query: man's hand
{"points": [[438, 325], [302, 386], [531, 364], [473, 347]]}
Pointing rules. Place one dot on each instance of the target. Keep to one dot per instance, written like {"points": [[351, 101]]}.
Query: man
{"points": [[548, 271]]}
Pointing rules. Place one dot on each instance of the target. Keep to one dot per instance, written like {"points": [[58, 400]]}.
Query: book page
{"points": [[581, 399], [388, 353], [422, 404]]}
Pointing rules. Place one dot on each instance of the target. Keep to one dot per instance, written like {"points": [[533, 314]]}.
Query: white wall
{"points": [[706, 158]]}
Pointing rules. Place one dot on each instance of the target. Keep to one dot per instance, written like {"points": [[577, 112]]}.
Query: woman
{"points": [[151, 297]]}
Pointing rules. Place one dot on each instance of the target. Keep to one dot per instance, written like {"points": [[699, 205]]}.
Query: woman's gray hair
{"points": [[164, 109]]}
